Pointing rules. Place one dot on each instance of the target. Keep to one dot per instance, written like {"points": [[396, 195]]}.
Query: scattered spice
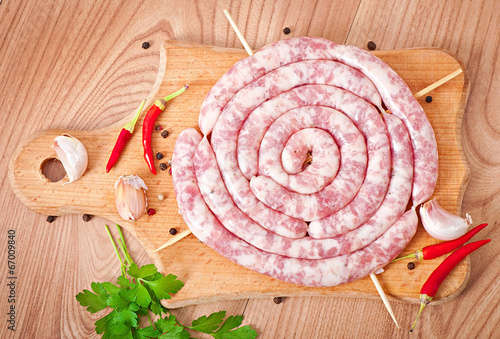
{"points": [[169, 162], [434, 251], [170, 170], [172, 231], [371, 45], [432, 284], [158, 128], [145, 45], [149, 123], [151, 211], [51, 218], [428, 98], [159, 156], [278, 300], [161, 197], [286, 30], [163, 166], [87, 217], [411, 265], [164, 134]]}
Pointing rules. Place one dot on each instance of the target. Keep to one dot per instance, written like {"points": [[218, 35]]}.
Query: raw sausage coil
{"points": [[248, 192]]}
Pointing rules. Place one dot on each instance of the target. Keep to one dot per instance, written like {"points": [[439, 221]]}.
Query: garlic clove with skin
{"points": [[441, 224], [73, 156], [130, 197]]}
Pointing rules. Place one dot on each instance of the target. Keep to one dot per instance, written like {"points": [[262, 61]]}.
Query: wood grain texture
{"points": [[79, 65], [208, 276]]}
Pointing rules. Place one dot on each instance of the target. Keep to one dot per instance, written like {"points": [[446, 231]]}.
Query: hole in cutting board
{"points": [[52, 169]]}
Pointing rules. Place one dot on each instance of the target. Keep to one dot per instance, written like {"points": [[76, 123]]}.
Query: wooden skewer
{"points": [[238, 33], [437, 83], [384, 297], [175, 239]]}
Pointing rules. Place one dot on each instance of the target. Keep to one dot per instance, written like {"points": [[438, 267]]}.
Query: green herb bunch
{"points": [[137, 292]]}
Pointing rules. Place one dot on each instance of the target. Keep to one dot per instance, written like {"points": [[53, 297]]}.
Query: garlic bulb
{"points": [[72, 155], [441, 224], [130, 197]]}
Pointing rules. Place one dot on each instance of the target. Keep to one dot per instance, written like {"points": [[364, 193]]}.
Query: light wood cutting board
{"points": [[208, 276]]}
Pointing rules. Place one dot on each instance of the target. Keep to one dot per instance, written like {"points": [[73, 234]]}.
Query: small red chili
{"points": [[123, 138], [434, 251], [148, 126], [432, 284]]}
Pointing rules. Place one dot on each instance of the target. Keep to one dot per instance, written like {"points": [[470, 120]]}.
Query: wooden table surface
{"points": [[80, 65]]}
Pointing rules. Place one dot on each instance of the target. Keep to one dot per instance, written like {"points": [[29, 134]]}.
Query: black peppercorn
{"points": [[371, 45], [86, 217], [163, 166], [172, 231], [158, 128], [164, 134], [51, 218], [428, 98], [278, 300], [286, 30], [145, 45], [410, 265], [159, 156]]}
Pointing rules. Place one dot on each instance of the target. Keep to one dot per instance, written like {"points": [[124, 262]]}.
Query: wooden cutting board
{"points": [[208, 276]]}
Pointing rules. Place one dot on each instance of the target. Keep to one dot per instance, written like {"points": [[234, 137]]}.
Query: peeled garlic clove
{"points": [[72, 155], [441, 224], [130, 197]]}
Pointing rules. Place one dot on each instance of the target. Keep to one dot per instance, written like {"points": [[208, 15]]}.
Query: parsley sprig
{"points": [[137, 292]]}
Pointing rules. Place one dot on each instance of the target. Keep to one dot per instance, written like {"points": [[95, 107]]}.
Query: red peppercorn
{"points": [[158, 128], [151, 211]]}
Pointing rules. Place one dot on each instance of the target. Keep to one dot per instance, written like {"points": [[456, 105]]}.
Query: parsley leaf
{"points": [[141, 295], [244, 332], [111, 288], [126, 318], [140, 290], [165, 286], [102, 324], [146, 332], [95, 301], [124, 282], [144, 271], [165, 324], [117, 302], [229, 329], [208, 324], [230, 323]]}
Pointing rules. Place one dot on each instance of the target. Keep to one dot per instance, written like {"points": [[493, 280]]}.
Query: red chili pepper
{"points": [[432, 284], [148, 126], [123, 138], [434, 251]]}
